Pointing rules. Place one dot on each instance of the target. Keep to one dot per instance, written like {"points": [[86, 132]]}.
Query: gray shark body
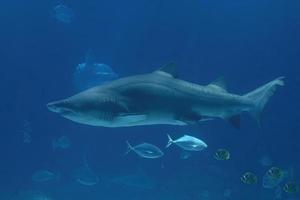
{"points": [[160, 98]]}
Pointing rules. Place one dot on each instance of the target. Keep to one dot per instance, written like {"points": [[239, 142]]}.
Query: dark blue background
{"points": [[248, 42]]}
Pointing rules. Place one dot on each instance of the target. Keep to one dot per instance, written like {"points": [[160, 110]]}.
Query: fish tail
{"points": [[170, 141], [129, 148], [261, 95]]}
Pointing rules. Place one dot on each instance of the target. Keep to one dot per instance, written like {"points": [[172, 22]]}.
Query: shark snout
{"points": [[54, 106], [59, 107]]}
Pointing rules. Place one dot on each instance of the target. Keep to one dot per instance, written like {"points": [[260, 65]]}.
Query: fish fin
{"points": [[218, 84], [170, 141], [131, 118], [129, 148], [261, 95], [170, 69], [235, 121], [190, 118]]}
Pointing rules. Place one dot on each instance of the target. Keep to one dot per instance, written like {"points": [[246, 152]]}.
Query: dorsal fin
{"points": [[170, 69], [219, 84]]}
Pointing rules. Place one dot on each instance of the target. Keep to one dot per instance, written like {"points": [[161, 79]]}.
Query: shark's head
{"points": [[63, 107], [87, 108]]}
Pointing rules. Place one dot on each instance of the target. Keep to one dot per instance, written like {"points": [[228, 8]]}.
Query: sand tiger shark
{"points": [[161, 98]]}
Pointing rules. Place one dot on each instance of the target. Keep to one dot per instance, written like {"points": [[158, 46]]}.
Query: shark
{"points": [[160, 97]]}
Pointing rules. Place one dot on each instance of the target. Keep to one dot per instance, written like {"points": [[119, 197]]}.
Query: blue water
{"points": [[247, 42]]}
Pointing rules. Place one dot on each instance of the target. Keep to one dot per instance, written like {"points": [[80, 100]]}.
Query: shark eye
{"points": [[66, 102]]}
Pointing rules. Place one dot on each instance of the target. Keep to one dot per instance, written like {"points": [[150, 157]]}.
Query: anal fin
{"points": [[235, 121]]}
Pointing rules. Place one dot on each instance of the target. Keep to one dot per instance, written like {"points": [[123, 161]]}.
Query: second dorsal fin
{"points": [[170, 69]]}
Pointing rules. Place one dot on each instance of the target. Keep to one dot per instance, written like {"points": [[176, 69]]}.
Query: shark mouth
{"points": [[60, 107]]}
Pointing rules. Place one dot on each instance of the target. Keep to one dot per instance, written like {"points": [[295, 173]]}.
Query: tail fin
{"points": [[129, 147], [261, 95], [170, 142]]}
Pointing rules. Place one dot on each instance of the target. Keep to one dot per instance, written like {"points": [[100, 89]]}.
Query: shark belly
{"points": [[151, 119], [222, 107]]}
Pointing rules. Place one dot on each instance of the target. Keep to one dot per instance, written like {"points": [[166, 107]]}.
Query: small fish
{"points": [[222, 154], [188, 143], [249, 178], [291, 187], [63, 142], [273, 177], [145, 150], [269, 182], [44, 176], [275, 173]]}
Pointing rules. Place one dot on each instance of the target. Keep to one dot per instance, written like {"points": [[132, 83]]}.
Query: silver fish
{"points": [[145, 150], [188, 143]]}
